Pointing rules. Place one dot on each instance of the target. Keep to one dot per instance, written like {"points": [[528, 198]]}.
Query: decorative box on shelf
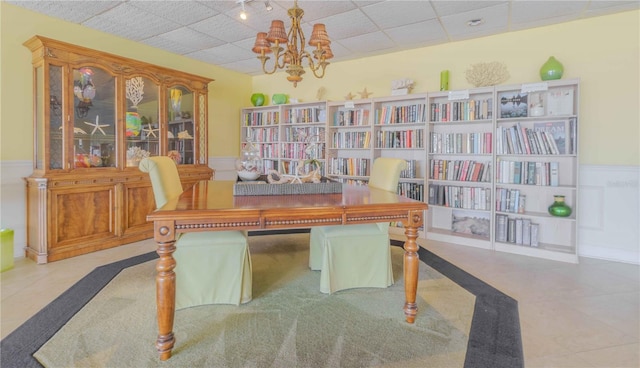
{"points": [[262, 187]]}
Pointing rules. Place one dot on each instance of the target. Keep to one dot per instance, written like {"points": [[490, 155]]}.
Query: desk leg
{"points": [[411, 265], [165, 289]]}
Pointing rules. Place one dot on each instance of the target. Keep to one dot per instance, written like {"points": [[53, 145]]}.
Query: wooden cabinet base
{"points": [[69, 214]]}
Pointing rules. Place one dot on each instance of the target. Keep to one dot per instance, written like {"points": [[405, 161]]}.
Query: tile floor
{"points": [[584, 315]]}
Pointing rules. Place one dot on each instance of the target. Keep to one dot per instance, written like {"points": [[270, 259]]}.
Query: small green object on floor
{"points": [[6, 251]]}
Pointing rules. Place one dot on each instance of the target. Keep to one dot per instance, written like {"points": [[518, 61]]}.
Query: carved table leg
{"points": [[165, 289], [411, 265]]}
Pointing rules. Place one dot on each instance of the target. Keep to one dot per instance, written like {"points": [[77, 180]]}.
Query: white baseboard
{"points": [[608, 225]]}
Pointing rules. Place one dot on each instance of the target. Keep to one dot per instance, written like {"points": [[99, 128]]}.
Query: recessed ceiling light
{"points": [[475, 22]]}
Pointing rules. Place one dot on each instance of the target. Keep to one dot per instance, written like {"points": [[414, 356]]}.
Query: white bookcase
{"points": [[537, 166], [478, 157], [460, 159]]}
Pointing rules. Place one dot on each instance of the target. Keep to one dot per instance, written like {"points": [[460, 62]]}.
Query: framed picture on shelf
{"points": [[537, 104], [513, 105], [471, 222]]}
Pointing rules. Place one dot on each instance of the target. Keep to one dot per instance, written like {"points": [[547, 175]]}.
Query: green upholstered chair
{"points": [[355, 256], [212, 267]]}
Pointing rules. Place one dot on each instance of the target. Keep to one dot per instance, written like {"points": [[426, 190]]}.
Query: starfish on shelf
{"points": [[97, 126], [150, 131], [350, 96], [365, 94]]}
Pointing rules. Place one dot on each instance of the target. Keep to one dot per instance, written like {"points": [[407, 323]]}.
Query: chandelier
{"points": [[293, 55]]}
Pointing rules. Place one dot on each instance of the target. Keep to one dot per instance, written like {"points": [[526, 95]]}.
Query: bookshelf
{"points": [[483, 159], [536, 139], [285, 134], [460, 159]]}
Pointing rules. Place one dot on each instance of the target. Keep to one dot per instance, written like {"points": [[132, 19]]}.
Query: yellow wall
{"points": [[227, 94], [603, 52]]}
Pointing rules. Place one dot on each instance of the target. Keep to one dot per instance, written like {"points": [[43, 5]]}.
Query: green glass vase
{"points": [[559, 208], [551, 70], [257, 99]]}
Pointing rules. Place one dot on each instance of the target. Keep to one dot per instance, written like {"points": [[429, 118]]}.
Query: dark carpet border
{"points": [[494, 337]]}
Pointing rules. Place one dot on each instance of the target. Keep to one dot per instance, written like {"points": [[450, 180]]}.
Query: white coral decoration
{"points": [[135, 90], [487, 74], [136, 153]]}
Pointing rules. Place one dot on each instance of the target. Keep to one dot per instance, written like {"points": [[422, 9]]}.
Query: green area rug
{"points": [[289, 323]]}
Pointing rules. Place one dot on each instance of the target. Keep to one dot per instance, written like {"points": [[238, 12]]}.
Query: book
{"points": [[513, 105], [518, 231], [501, 228], [559, 132], [560, 102], [535, 228], [554, 173], [526, 231]]}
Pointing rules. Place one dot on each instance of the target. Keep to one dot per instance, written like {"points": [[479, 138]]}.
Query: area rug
{"points": [[290, 323]]}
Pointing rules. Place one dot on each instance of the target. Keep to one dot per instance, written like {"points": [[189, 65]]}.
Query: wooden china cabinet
{"points": [[95, 115]]}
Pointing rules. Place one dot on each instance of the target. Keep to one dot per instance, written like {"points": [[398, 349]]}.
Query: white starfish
{"points": [[97, 126], [150, 131]]}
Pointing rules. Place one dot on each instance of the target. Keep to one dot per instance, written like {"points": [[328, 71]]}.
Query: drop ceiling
{"points": [[212, 31]]}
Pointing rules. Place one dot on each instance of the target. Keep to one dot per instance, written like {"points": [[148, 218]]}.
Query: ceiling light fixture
{"points": [[243, 13], [475, 22], [267, 5], [291, 57]]}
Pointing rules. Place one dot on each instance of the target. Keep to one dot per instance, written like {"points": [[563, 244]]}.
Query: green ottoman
{"points": [[6, 253]]}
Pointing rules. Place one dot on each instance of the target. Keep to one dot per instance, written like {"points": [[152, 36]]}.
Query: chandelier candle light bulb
{"points": [[292, 57]]}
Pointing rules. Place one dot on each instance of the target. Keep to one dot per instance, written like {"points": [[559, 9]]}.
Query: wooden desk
{"points": [[211, 206]]}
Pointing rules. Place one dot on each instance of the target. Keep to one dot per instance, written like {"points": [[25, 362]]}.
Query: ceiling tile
{"points": [[314, 10], [120, 21], [448, 7], [224, 28], [181, 12], [530, 12], [429, 32], [389, 14], [349, 24], [191, 38], [222, 54], [368, 42], [71, 11]]}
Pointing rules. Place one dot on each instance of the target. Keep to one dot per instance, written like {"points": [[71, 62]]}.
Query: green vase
{"points": [[559, 208], [551, 70], [257, 99], [279, 98]]}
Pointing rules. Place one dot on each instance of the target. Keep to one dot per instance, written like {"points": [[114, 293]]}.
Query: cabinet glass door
{"points": [[94, 122], [142, 119], [55, 119], [181, 131]]}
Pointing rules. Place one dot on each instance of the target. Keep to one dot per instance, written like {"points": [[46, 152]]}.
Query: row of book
{"points": [[472, 198], [302, 134], [351, 117], [351, 139], [462, 110], [510, 200], [517, 230], [263, 135], [268, 150], [299, 150], [411, 190], [528, 172], [542, 139], [411, 171], [412, 138], [350, 166], [460, 170], [291, 168], [304, 115], [261, 118], [400, 114], [461, 142]]}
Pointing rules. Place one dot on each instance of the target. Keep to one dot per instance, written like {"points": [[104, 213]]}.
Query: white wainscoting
{"points": [[13, 201], [608, 217], [609, 213]]}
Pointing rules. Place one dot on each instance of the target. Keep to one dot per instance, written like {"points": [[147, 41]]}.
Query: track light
{"points": [[267, 5], [243, 13]]}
